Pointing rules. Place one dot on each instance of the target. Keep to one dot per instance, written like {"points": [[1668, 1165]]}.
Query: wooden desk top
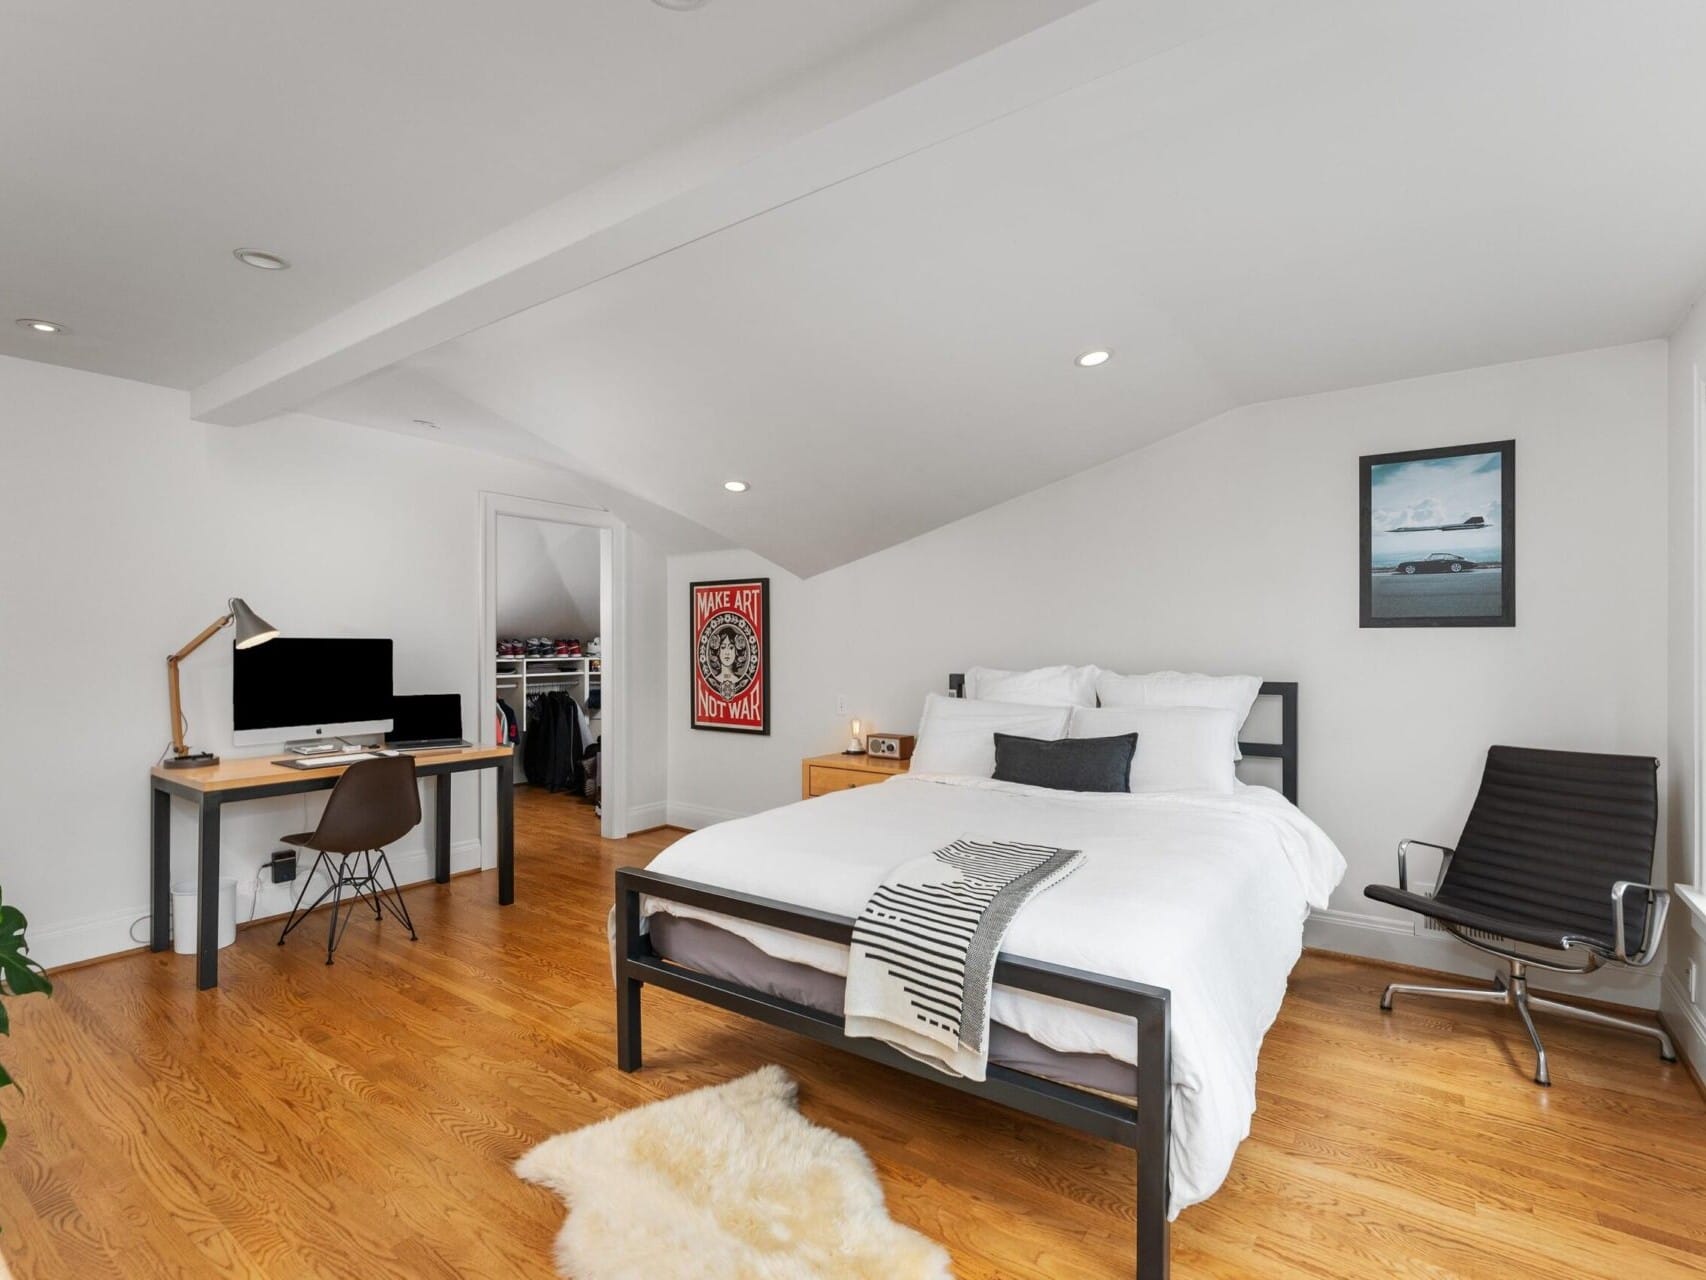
{"points": [[258, 771]]}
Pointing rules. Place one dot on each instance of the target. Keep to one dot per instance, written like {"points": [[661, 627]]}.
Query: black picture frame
{"points": [[762, 729], [1506, 617]]}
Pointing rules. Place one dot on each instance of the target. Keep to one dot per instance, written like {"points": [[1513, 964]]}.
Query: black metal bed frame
{"points": [[1146, 1127]]}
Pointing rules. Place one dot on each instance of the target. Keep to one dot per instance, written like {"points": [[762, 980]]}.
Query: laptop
{"points": [[420, 720]]}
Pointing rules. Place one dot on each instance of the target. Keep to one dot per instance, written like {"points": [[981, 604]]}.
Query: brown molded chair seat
{"points": [[375, 803]]}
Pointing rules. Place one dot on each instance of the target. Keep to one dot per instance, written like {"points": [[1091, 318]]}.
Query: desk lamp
{"points": [[252, 629]]}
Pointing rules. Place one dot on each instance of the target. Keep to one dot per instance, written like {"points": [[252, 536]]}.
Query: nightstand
{"points": [[819, 775]]}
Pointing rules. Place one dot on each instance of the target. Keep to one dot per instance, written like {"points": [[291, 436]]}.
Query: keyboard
{"points": [[330, 762]]}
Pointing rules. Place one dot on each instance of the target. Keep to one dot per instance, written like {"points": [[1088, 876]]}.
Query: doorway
{"points": [[551, 654]]}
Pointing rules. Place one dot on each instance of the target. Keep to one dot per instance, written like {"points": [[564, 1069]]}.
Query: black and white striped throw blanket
{"points": [[924, 947]]}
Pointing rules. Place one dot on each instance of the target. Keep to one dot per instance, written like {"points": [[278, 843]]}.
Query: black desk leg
{"points": [[441, 828], [159, 870], [207, 897], [506, 833]]}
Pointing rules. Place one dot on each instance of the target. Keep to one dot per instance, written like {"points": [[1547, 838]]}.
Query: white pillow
{"points": [[1178, 748], [957, 735], [1236, 694], [1046, 686]]}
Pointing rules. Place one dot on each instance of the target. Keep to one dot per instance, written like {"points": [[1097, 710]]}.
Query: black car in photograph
{"points": [[1438, 562]]}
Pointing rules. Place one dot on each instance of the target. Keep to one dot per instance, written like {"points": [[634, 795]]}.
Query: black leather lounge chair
{"points": [[1551, 872]]}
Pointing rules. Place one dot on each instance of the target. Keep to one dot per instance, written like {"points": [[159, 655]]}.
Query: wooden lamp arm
{"points": [[208, 632]]}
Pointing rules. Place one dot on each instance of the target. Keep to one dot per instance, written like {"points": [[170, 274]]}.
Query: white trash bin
{"points": [[183, 915]]}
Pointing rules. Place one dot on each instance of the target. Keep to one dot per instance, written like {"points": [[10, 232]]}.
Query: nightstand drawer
{"points": [[822, 779]]}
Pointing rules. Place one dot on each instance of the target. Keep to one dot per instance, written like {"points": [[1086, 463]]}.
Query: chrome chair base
{"points": [[1515, 993]]}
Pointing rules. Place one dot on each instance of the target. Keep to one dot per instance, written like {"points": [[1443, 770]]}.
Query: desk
{"points": [[214, 786]]}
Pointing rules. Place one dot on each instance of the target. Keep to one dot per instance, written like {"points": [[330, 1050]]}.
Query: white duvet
{"points": [[1203, 895]]}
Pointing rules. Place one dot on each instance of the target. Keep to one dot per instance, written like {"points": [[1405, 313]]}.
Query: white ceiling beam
{"points": [[834, 124]]}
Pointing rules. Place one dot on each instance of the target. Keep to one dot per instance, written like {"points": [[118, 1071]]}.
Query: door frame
{"points": [[613, 633], [1697, 568]]}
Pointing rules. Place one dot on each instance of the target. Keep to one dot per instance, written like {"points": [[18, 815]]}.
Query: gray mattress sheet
{"points": [[696, 944]]}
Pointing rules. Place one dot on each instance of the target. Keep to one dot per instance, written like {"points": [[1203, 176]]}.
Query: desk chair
{"points": [[375, 803], [1554, 844]]}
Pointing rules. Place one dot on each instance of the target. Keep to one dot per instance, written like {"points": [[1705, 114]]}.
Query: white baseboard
{"points": [[1685, 1022], [88, 938], [643, 817], [1400, 942], [694, 816], [93, 937]]}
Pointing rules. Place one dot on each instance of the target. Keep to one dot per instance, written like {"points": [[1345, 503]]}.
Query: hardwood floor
{"points": [[360, 1120]]}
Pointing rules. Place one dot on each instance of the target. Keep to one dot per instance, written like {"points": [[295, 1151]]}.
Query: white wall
{"points": [[124, 525], [1233, 547], [1686, 1017], [548, 579]]}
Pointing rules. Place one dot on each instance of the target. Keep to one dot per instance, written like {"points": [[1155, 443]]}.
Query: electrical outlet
{"points": [[1693, 982], [841, 705]]}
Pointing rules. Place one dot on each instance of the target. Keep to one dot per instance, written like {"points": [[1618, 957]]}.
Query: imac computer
{"points": [[295, 688]]}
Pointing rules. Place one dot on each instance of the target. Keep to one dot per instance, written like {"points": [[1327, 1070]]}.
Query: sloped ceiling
{"points": [[860, 289], [1329, 195], [144, 142]]}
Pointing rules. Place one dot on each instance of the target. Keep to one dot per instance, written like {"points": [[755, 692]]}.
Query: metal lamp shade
{"points": [[250, 629]]}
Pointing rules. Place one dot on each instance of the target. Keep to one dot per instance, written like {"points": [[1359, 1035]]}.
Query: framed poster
{"points": [[1439, 537], [731, 655]]}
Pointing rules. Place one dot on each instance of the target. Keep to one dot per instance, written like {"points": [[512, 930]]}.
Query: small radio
{"points": [[889, 746]]}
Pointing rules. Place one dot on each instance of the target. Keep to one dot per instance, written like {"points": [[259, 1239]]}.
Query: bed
{"points": [[1130, 1000]]}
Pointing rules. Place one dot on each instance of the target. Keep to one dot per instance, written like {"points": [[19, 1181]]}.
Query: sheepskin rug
{"points": [[729, 1183]]}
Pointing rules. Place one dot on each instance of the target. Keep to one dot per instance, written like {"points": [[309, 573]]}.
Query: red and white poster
{"points": [[731, 655]]}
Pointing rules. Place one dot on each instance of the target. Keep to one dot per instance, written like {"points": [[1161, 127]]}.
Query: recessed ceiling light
{"points": [[680, 6], [1090, 359], [40, 326], [425, 422], [733, 486], [260, 258]]}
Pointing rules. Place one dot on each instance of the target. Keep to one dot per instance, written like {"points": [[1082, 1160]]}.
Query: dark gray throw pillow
{"points": [[1066, 764]]}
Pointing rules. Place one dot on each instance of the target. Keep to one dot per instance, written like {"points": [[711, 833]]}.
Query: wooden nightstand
{"points": [[819, 775]]}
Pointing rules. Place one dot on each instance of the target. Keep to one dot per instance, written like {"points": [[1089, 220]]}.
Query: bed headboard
{"points": [[1285, 750]]}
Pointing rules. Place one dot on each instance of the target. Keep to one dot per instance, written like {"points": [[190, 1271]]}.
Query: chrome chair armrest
{"points": [[1658, 905], [1403, 861]]}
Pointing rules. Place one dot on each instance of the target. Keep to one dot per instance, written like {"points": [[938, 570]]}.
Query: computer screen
{"points": [[297, 687], [423, 717]]}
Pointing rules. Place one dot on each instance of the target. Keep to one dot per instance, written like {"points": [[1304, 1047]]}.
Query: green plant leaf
{"points": [[6, 1079], [23, 977], [5, 1022]]}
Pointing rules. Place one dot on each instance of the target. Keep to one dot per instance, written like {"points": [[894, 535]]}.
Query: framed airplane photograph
{"points": [[1439, 537]]}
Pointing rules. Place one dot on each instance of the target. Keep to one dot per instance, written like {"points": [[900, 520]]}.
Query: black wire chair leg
{"points": [[393, 898], [333, 933], [372, 885], [297, 914]]}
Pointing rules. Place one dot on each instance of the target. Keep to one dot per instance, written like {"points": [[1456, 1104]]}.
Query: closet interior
{"points": [[548, 654]]}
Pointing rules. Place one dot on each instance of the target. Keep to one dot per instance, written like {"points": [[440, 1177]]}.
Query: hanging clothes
{"points": [[553, 742]]}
